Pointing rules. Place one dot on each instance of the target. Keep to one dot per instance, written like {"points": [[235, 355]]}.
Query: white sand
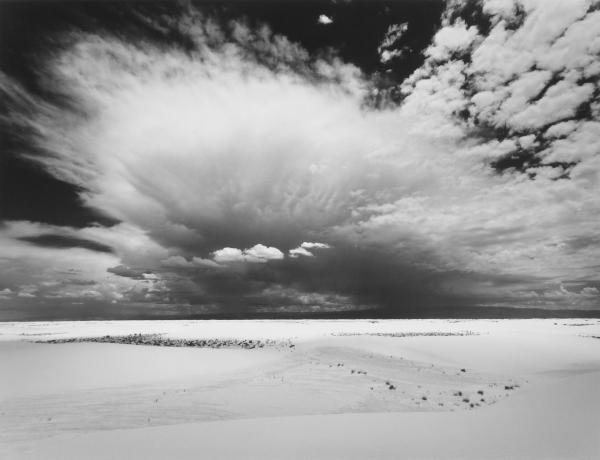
{"points": [[101, 401]]}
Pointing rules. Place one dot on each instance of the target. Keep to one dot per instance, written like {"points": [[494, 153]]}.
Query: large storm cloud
{"points": [[219, 156]]}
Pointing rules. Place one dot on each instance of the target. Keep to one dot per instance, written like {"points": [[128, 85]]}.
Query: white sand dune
{"points": [[516, 389]]}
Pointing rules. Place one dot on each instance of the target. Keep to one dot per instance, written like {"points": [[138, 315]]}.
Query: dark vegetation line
{"points": [[158, 340], [409, 334]]}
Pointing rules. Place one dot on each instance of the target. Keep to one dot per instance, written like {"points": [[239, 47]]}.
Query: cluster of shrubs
{"points": [[409, 334], [160, 341], [353, 371]]}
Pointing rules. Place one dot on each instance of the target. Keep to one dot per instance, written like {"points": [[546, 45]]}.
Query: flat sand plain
{"points": [[362, 389]]}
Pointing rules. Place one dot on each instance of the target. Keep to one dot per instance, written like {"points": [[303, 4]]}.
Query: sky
{"points": [[406, 158]]}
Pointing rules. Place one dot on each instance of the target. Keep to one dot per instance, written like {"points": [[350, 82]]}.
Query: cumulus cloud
{"points": [[590, 291], [324, 19], [262, 253], [258, 253], [454, 38], [483, 178], [229, 255], [303, 249], [510, 86], [300, 251]]}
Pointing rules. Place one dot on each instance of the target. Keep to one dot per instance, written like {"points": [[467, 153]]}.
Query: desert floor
{"points": [[380, 389]]}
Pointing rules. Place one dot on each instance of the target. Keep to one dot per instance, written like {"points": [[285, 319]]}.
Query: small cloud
{"points": [[308, 245], [302, 250], [387, 55], [389, 47], [261, 253], [228, 255], [450, 39], [5, 293], [258, 253], [324, 19], [590, 291], [27, 291]]}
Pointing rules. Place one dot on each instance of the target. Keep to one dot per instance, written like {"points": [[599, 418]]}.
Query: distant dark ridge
{"points": [[77, 313]]}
